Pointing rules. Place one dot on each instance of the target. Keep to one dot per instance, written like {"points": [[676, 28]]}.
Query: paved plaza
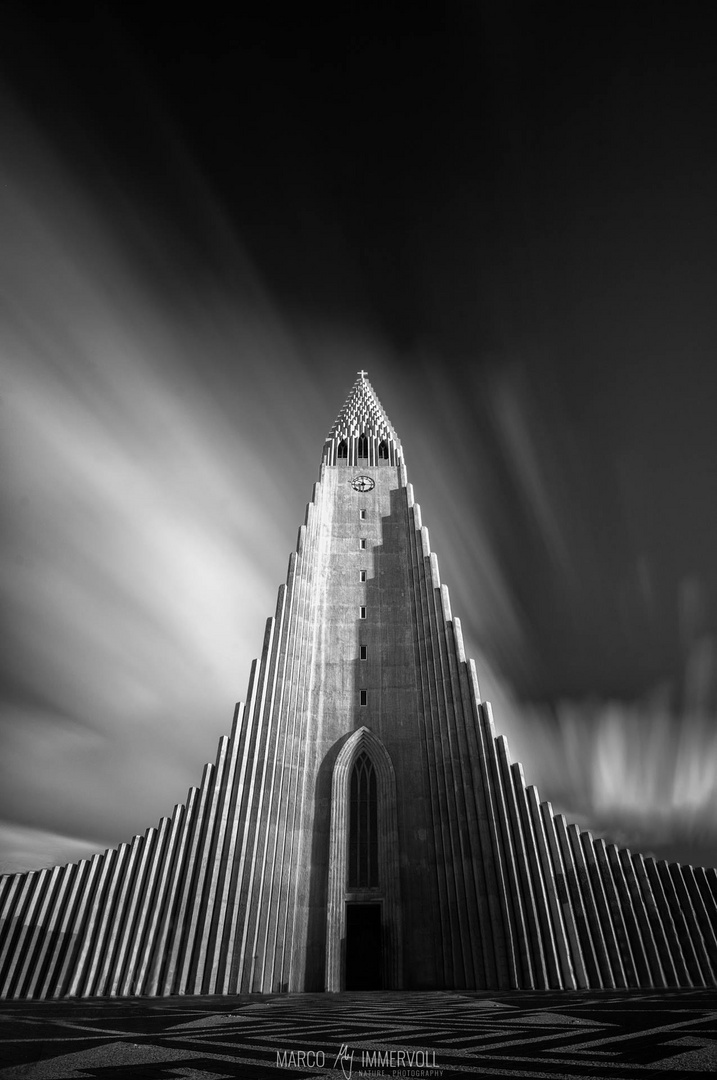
{"points": [[608, 1034]]}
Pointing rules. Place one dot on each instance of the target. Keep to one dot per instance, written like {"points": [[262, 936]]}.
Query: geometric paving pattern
{"points": [[586, 1035]]}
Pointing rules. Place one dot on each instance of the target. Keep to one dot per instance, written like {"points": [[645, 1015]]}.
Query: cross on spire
{"points": [[362, 373]]}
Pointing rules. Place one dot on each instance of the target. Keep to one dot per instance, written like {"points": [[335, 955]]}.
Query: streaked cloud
{"points": [[25, 848], [162, 416]]}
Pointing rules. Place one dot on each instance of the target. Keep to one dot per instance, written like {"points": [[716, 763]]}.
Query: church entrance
{"points": [[363, 911], [363, 947]]}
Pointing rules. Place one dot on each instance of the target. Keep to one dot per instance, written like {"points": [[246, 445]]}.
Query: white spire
{"points": [[362, 413]]}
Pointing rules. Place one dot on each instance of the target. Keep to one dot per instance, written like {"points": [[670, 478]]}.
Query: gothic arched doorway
{"points": [[363, 926]]}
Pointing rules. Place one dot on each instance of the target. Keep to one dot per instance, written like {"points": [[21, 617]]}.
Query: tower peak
{"points": [[362, 431]]}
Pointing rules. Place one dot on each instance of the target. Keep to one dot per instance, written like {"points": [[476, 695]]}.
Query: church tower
{"points": [[362, 827]]}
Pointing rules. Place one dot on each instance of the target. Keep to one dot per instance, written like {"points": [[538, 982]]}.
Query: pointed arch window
{"points": [[363, 825], [363, 842], [362, 449], [342, 450], [383, 449]]}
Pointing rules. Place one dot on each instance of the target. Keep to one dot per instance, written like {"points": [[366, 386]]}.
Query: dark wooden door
{"points": [[363, 947]]}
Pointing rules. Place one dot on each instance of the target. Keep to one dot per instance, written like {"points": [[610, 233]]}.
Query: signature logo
{"points": [[345, 1058]]}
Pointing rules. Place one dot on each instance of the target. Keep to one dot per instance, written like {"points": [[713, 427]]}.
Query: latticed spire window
{"points": [[361, 425], [363, 825]]}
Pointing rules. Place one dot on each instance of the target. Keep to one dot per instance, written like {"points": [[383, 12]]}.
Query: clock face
{"points": [[362, 483]]}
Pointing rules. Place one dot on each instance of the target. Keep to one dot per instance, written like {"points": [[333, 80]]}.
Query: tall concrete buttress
{"points": [[363, 826]]}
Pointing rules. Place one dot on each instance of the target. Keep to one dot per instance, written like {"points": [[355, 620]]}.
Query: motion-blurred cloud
{"points": [[144, 510], [162, 415]]}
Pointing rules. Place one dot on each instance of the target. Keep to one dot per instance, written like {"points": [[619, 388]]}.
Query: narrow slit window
{"points": [[362, 575], [362, 613], [362, 515], [362, 543], [363, 697], [363, 652]]}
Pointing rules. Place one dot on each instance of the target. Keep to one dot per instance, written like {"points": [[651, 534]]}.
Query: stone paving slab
{"points": [[364, 1036]]}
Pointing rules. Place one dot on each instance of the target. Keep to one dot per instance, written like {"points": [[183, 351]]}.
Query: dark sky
{"points": [[506, 213]]}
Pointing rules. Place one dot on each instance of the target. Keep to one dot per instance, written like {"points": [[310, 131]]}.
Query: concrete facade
{"points": [[361, 807]]}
